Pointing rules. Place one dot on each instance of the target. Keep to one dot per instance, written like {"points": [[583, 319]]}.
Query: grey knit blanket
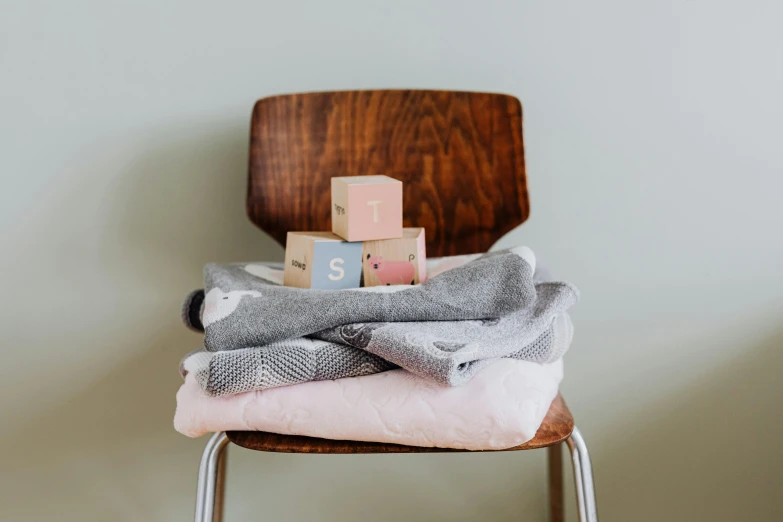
{"points": [[242, 309], [488, 308]]}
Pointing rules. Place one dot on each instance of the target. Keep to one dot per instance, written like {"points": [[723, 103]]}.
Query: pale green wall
{"points": [[653, 145]]}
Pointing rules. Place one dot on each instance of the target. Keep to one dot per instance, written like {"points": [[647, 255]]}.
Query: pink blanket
{"points": [[501, 407]]}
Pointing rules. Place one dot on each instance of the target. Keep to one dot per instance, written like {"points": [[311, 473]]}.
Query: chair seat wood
{"points": [[556, 427]]}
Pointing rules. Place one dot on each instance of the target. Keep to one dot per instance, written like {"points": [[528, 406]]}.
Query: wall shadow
{"points": [[708, 452]]}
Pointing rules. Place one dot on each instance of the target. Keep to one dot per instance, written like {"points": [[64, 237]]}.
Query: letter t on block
{"points": [[366, 207]]}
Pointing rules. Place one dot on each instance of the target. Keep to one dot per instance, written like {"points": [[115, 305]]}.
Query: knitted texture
{"points": [[242, 310], [447, 352], [303, 360], [279, 364], [450, 352]]}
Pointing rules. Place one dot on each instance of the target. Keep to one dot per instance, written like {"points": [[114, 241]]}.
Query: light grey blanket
{"points": [[449, 352], [242, 309]]}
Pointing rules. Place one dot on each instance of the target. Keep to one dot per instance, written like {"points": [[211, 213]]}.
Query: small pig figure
{"points": [[392, 272]]}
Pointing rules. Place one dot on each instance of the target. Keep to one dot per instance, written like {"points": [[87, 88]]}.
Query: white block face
{"points": [[366, 180], [339, 207], [366, 207], [298, 260]]}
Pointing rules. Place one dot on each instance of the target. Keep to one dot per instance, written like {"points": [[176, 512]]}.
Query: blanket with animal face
{"points": [[243, 310], [448, 352]]}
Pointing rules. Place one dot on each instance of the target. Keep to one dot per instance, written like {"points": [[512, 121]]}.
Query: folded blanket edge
{"points": [[197, 415]]}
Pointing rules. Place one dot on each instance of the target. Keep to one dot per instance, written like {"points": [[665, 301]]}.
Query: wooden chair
{"points": [[461, 159]]}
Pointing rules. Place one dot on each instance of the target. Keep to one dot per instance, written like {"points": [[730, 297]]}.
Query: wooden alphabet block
{"points": [[321, 260], [400, 261], [366, 207]]}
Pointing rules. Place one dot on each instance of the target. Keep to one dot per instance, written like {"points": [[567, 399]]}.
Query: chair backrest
{"points": [[459, 155]]}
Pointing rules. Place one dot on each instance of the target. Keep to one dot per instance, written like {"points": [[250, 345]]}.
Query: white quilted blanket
{"points": [[501, 407]]}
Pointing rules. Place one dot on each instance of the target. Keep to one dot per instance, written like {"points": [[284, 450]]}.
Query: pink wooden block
{"points": [[366, 207]]}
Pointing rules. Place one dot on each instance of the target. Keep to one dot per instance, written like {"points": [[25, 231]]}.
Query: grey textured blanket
{"points": [[243, 310], [449, 351]]}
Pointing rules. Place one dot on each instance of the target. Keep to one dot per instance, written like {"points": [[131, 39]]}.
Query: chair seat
{"points": [[556, 427]]}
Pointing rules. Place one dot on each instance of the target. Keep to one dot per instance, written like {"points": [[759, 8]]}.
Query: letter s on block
{"points": [[333, 265]]}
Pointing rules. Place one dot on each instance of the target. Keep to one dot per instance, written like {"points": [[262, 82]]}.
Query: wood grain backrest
{"points": [[459, 155]]}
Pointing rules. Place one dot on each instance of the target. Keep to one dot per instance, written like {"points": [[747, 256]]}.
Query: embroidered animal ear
{"points": [[271, 275], [526, 254]]}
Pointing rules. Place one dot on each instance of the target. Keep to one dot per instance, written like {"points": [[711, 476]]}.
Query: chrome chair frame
{"points": [[211, 482]]}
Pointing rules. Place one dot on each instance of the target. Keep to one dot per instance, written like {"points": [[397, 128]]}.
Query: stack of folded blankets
{"points": [[468, 358]]}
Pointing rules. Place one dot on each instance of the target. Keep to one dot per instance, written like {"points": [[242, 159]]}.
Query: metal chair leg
{"points": [[583, 477], [211, 480], [211, 485], [220, 486], [555, 473]]}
